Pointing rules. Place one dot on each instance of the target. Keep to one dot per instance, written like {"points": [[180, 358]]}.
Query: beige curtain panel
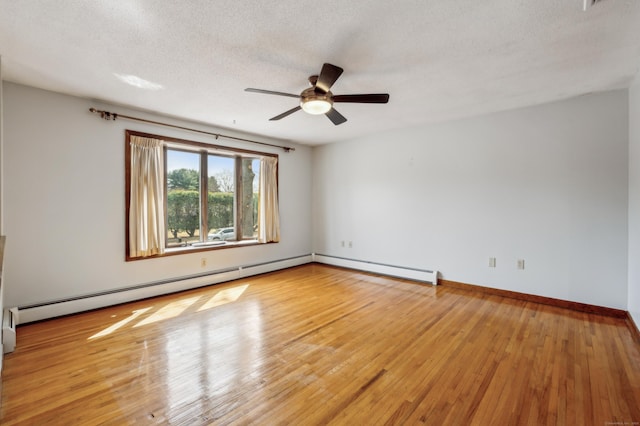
{"points": [[269, 215], [146, 208]]}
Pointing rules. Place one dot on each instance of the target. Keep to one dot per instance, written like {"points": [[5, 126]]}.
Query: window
{"points": [[184, 196]]}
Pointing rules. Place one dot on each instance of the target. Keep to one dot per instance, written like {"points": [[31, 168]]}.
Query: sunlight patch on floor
{"points": [[225, 296], [171, 310], [114, 327]]}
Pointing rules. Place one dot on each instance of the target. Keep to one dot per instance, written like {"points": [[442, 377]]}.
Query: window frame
{"points": [[198, 147]]}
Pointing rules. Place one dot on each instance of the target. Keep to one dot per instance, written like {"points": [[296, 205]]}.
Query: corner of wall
{"points": [[1, 207], [633, 285], [1, 152]]}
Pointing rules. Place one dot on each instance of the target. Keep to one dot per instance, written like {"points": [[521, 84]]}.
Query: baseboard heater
{"points": [[423, 275], [9, 322], [74, 305]]}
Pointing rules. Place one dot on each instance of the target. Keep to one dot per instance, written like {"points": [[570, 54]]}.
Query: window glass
{"points": [[250, 196], [183, 197], [221, 185]]}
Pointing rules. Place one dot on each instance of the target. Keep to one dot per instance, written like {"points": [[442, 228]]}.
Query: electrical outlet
{"points": [[342, 243], [203, 262], [492, 262], [350, 244], [520, 263]]}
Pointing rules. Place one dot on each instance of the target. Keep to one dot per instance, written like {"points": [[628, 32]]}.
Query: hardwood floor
{"points": [[321, 345]]}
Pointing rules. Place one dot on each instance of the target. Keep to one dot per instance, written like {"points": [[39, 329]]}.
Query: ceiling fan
{"points": [[318, 99]]}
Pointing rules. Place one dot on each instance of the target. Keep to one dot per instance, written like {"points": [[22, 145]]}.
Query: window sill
{"points": [[209, 245], [200, 247]]}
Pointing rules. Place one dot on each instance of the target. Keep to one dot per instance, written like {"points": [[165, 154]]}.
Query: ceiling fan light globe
{"points": [[316, 106]]}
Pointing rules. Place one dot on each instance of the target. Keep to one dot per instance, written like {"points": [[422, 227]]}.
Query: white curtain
{"points": [[146, 208], [269, 215]]}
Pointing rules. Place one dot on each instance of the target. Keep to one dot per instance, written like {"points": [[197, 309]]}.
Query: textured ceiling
{"points": [[438, 60]]}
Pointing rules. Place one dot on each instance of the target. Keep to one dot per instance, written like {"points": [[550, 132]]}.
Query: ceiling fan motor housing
{"points": [[315, 102]]}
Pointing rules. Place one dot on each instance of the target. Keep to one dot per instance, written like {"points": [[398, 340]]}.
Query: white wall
{"points": [[1, 150], [1, 227], [547, 184], [64, 201], [634, 201]]}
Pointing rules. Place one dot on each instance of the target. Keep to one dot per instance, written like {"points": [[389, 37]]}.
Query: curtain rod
{"points": [[112, 116]]}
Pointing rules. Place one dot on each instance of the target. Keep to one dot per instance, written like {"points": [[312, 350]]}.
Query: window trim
{"points": [[236, 153]]}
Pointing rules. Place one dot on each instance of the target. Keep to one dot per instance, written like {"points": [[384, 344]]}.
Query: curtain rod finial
{"points": [[104, 114]]}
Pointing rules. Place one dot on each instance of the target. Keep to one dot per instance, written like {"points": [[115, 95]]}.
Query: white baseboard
{"points": [[85, 303], [379, 268]]}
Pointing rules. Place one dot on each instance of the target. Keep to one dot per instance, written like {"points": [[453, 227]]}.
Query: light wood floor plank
{"points": [[322, 345]]}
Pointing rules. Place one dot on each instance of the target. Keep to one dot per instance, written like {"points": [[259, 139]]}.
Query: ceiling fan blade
{"points": [[372, 98], [271, 92], [284, 114], [335, 117], [328, 75]]}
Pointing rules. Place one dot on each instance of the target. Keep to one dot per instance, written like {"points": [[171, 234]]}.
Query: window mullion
{"points": [[166, 200], [238, 198], [204, 196]]}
